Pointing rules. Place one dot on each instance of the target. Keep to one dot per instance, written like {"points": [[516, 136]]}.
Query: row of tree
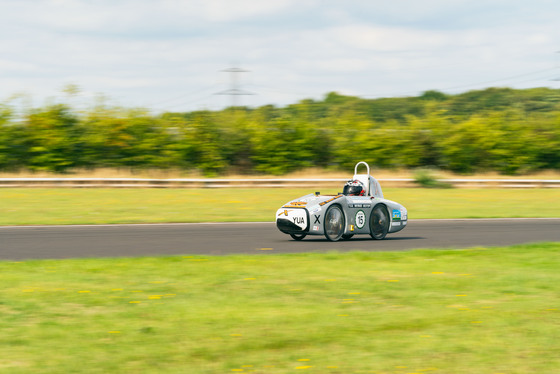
{"points": [[498, 129]]}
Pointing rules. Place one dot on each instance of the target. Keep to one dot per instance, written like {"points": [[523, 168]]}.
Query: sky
{"points": [[171, 55]]}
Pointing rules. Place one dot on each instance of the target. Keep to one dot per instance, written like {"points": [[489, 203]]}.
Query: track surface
{"points": [[38, 242]]}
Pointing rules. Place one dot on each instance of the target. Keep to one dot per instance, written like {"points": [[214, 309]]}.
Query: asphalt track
{"points": [[41, 242]]}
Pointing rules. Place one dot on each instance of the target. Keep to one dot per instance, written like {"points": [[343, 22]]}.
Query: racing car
{"points": [[359, 209]]}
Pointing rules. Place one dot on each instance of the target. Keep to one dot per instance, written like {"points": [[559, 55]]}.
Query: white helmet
{"points": [[354, 188]]}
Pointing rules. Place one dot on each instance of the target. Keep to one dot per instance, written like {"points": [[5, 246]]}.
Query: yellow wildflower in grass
{"points": [[84, 291], [114, 332], [303, 367], [303, 359], [134, 302]]}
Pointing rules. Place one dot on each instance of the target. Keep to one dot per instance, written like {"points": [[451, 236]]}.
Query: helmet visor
{"points": [[352, 190]]}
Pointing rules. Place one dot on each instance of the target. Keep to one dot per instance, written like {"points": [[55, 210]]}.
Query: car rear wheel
{"points": [[334, 223], [298, 236], [347, 236], [379, 222]]}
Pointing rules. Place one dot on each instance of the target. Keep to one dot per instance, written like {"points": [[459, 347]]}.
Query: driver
{"points": [[354, 188]]}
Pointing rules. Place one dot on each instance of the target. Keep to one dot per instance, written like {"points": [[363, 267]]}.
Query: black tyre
{"points": [[298, 236], [347, 236], [334, 223], [379, 222]]}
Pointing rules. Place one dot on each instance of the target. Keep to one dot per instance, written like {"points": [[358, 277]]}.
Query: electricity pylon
{"points": [[234, 91]]}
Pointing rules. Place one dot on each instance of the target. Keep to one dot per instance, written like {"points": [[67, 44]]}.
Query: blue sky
{"points": [[169, 55]]}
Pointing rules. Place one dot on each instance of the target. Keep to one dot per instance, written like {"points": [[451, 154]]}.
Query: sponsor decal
{"points": [[317, 220], [395, 224], [351, 227], [360, 219], [285, 212], [404, 215], [314, 209], [315, 228], [396, 214], [362, 201], [404, 223], [331, 199], [296, 204], [360, 204]]}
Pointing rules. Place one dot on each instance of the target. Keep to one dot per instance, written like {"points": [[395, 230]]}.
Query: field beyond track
{"points": [[52, 206], [479, 310]]}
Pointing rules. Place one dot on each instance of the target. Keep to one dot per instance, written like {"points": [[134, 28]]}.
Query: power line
{"points": [[501, 79], [479, 83], [195, 92]]}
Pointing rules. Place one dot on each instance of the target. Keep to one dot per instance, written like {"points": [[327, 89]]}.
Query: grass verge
{"points": [[479, 310], [37, 206]]}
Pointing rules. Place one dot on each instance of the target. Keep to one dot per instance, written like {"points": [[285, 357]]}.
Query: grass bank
{"points": [[480, 310], [37, 206]]}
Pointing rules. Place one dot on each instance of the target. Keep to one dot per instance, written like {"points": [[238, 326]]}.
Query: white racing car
{"points": [[359, 209]]}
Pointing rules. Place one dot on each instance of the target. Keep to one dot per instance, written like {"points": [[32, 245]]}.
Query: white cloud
{"points": [[144, 51]]}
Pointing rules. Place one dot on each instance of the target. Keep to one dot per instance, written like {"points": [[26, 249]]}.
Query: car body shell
{"points": [[306, 215]]}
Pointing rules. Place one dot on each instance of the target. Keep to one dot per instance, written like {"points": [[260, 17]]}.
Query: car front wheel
{"points": [[334, 223], [298, 236]]}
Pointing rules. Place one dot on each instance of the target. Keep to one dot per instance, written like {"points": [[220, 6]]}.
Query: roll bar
{"points": [[358, 164]]}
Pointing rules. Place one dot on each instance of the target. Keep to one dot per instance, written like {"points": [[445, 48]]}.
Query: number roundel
{"points": [[360, 219]]}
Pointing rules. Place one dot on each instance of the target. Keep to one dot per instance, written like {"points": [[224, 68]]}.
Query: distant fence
{"points": [[260, 183]]}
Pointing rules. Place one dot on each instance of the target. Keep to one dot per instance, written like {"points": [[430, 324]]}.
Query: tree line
{"points": [[496, 129]]}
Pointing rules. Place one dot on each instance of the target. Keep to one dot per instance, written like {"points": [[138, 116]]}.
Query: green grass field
{"points": [[36, 206], [480, 310]]}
